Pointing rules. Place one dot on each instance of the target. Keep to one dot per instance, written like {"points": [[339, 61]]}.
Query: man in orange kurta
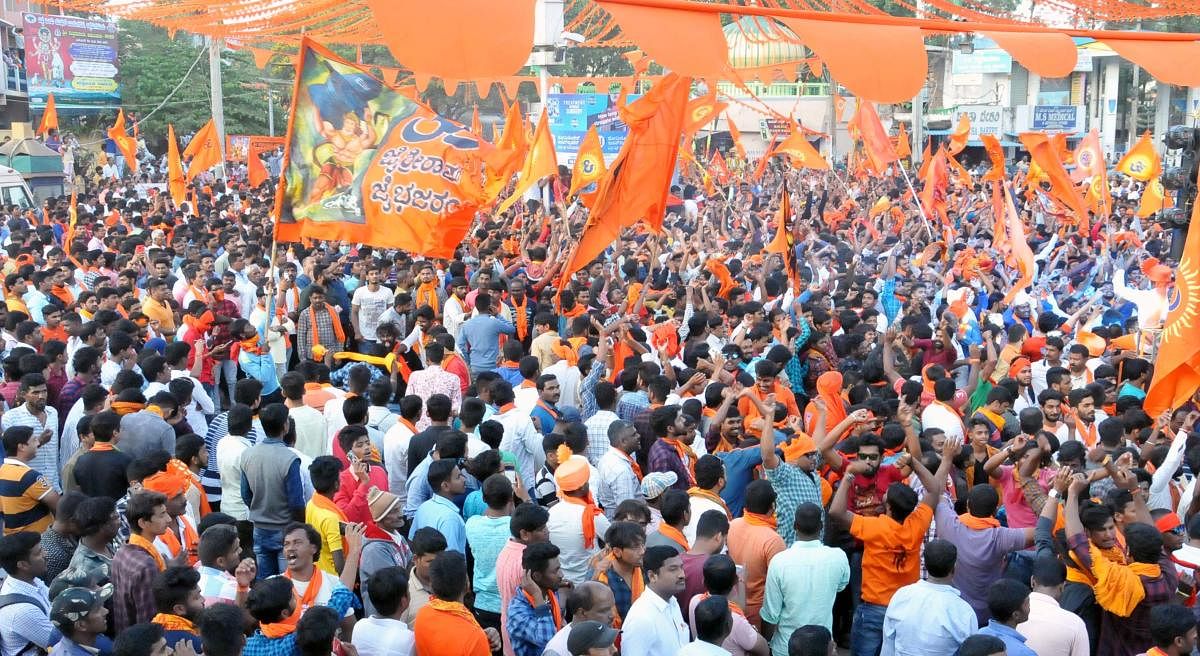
{"points": [[444, 626], [766, 383]]}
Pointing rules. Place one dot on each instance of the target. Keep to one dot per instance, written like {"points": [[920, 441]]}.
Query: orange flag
{"points": [[203, 151], [839, 107], [702, 111], [1021, 252], [1000, 239], [49, 117], [802, 153], [960, 135], [589, 162], [763, 161], [512, 144], [125, 143], [903, 147], [996, 154], [1177, 367], [1142, 161], [935, 184], [73, 218], [1154, 199], [636, 186], [960, 172], [784, 242], [540, 162], [875, 139], [716, 165], [476, 124], [176, 182], [926, 156], [1088, 157], [1043, 152], [736, 135]]}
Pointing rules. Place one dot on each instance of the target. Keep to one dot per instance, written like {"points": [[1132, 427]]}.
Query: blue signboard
{"points": [[1054, 118], [571, 114]]}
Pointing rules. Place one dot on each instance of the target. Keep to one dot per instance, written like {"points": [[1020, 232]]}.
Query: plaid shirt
{"points": [[67, 396], [622, 595], [597, 430], [529, 628], [887, 299], [304, 328], [792, 488], [663, 458], [340, 601], [133, 572]]}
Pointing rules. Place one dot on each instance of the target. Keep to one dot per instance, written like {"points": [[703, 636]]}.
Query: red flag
{"points": [[49, 117], [1177, 367], [125, 143], [875, 139], [960, 135], [716, 166], [636, 186]]}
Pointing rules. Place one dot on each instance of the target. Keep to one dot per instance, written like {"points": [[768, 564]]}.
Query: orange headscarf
{"points": [[829, 390]]}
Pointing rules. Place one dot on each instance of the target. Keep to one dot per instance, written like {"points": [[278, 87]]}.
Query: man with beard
{"points": [[1084, 426], [225, 576], [313, 586], [1050, 401], [1022, 372], [179, 603], [535, 613], [672, 451]]}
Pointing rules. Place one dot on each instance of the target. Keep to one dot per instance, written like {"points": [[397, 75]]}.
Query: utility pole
{"points": [[270, 112], [215, 45]]}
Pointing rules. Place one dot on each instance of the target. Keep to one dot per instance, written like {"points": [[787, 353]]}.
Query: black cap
{"points": [[590, 635]]}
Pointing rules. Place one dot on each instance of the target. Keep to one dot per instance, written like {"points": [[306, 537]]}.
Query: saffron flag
{"points": [[1088, 158], [176, 182], [476, 124], [1154, 199], [1142, 161], [935, 184], [1043, 152], [960, 135], [72, 219], [801, 151], [763, 161], [926, 157], [49, 117], [408, 179], [903, 147], [736, 135], [718, 168], [784, 242], [636, 186], [203, 151], [540, 162], [125, 143], [996, 154], [1177, 367], [875, 139], [256, 171], [1020, 250], [702, 111], [513, 143], [839, 107], [589, 162]]}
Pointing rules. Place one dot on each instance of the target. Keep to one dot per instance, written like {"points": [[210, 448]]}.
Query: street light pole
{"points": [[215, 45], [270, 112]]}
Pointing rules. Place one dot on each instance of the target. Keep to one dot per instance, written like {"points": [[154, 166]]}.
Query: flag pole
{"points": [[917, 197]]}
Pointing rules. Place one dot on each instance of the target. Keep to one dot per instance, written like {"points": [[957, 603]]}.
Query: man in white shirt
{"points": [[1052, 357], [520, 437], [940, 414], [229, 460], [395, 445], [713, 623], [455, 311], [384, 633], [705, 495], [654, 625], [1050, 629], [930, 617], [368, 304]]}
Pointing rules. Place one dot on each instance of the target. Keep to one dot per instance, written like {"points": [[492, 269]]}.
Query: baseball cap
{"points": [[589, 635], [655, 483], [75, 603]]}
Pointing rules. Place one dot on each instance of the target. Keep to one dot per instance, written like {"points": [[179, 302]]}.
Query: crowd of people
{"points": [[217, 444]]}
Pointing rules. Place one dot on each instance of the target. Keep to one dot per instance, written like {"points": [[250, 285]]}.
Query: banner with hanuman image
{"points": [[365, 163]]}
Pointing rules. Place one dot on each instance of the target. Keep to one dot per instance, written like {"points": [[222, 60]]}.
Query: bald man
{"points": [[589, 600]]}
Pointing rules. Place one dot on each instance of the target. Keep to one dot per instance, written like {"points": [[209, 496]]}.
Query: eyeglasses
{"points": [[1179, 530], [869, 456]]}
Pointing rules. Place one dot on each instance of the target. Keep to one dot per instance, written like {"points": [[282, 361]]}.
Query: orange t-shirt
{"points": [[753, 547], [891, 552], [438, 633]]}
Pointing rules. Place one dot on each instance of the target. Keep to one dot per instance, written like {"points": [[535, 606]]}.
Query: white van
{"points": [[13, 190]]}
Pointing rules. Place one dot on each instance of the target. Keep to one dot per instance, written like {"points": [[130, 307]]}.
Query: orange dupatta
{"points": [[711, 496], [978, 523], [333, 319], [287, 625], [520, 318], [190, 538], [590, 513], [637, 469], [171, 622], [686, 455], [142, 543], [323, 502], [756, 519], [637, 585], [426, 294], [675, 535], [555, 609]]}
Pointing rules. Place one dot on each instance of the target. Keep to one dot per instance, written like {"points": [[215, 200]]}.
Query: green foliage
{"points": [[152, 64]]}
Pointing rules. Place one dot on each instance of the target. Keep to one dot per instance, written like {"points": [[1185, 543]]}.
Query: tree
{"points": [[152, 64]]}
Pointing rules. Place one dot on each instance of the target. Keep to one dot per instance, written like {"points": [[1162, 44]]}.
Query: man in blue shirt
{"points": [[1008, 602], [479, 337], [439, 512]]}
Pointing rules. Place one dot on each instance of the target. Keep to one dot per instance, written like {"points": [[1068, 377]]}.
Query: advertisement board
{"points": [[73, 58], [985, 119], [982, 61], [571, 114], [1055, 118], [236, 147]]}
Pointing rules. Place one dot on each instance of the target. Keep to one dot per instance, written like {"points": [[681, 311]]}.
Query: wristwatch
{"points": [[1053, 494]]}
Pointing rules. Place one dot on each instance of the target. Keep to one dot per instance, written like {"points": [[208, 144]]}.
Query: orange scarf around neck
{"points": [[174, 623], [756, 519], [453, 608], [323, 502], [333, 320], [427, 295], [520, 317], [675, 535], [978, 523], [555, 609], [590, 513], [142, 543], [711, 496], [637, 584], [733, 608], [123, 408], [686, 455], [191, 541], [287, 625], [637, 469]]}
